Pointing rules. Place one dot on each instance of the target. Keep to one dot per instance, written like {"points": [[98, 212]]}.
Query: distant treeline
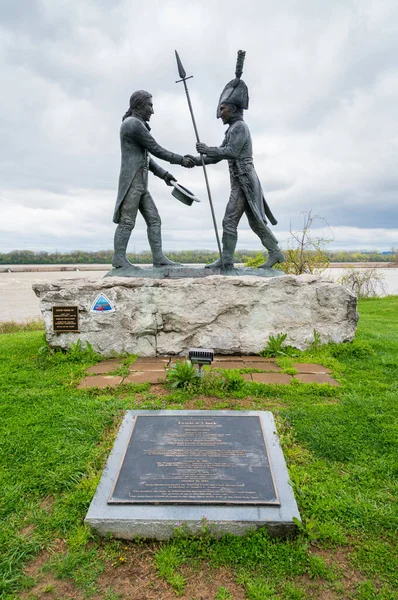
{"points": [[28, 257]]}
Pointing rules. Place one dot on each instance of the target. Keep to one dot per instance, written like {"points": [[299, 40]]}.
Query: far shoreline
{"points": [[106, 267]]}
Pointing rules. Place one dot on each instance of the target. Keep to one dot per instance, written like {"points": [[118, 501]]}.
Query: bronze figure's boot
{"points": [[275, 254], [155, 242], [228, 248], [121, 240]]}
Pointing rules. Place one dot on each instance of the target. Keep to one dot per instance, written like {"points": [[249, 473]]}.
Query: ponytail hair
{"points": [[136, 100]]}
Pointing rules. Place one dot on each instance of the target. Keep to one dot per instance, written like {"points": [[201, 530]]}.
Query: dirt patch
{"points": [[340, 558], [27, 531], [47, 586], [317, 588], [53, 589], [347, 579], [47, 503], [328, 401], [137, 579], [203, 585], [249, 403], [34, 566], [160, 390]]}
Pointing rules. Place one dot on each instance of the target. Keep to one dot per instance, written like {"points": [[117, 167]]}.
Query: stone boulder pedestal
{"points": [[232, 315]]}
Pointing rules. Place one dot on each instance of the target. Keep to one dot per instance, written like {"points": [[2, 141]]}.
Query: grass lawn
{"points": [[340, 445]]}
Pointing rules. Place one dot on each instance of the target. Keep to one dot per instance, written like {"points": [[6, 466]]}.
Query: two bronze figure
{"points": [[246, 196]]}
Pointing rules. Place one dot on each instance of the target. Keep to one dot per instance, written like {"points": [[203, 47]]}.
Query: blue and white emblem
{"points": [[102, 304]]}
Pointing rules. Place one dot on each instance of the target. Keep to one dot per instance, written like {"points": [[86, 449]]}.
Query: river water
{"points": [[19, 303]]}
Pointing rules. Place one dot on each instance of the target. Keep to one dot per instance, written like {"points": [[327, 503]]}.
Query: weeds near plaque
{"points": [[167, 560], [76, 353], [181, 374], [308, 528], [232, 379], [275, 347], [316, 342]]}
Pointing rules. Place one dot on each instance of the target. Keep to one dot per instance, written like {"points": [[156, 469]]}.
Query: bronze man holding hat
{"points": [[133, 195], [246, 193]]}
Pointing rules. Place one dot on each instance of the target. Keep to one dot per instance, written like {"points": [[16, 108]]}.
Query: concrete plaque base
{"points": [[159, 521]]}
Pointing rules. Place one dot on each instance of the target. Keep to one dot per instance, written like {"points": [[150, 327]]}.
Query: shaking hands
{"points": [[188, 161]]}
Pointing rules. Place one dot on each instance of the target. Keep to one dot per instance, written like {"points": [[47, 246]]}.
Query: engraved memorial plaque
{"points": [[65, 318], [195, 460]]}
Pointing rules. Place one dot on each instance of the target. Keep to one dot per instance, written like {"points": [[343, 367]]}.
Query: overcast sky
{"points": [[323, 85]]}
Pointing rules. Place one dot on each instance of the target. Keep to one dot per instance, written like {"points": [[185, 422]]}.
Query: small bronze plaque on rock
{"points": [[65, 318], [195, 460]]}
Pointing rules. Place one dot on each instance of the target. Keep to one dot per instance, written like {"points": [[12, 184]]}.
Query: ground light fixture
{"points": [[200, 357]]}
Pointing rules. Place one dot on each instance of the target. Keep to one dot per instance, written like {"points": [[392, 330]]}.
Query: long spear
{"points": [[183, 75]]}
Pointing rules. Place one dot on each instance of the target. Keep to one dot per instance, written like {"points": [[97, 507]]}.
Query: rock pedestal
{"points": [[232, 315]]}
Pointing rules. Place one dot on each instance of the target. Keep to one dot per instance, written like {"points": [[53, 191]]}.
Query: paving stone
{"points": [[255, 358], [228, 365], [100, 381], [271, 378], [316, 378], [309, 368], [145, 377], [265, 366], [158, 359], [247, 376], [105, 366], [227, 357], [148, 366]]}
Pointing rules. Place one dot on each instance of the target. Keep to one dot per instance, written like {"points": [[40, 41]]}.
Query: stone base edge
{"points": [[164, 530]]}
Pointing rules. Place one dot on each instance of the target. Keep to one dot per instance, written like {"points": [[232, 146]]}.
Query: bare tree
{"points": [[305, 252], [364, 283]]}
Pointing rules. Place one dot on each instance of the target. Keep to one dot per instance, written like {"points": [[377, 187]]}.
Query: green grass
{"points": [[340, 445]]}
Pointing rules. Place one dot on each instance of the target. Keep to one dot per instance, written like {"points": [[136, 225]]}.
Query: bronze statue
{"points": [[246, 194], [133, 195]]}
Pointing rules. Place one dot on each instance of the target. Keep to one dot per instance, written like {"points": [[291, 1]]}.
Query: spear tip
{"points": [[181, 70]]}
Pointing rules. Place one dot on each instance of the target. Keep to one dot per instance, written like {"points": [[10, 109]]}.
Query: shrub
{"points": [[274, 347], [181, 374], [255, 261], [233, 380]]}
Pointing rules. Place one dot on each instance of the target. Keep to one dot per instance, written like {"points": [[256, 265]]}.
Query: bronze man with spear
{"points": [[246, 193]]}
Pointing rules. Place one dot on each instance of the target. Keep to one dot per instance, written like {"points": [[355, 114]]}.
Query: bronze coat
{"points": [[136, 143], [237, 149]]}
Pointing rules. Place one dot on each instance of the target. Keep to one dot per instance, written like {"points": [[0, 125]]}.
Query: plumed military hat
{"points": [[235, 92]]}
